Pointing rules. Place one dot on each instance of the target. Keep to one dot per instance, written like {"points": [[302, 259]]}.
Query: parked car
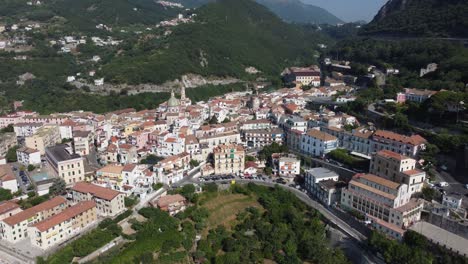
{"points": [[443, 184]]}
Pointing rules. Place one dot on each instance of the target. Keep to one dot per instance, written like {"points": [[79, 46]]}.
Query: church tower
{"points": [[182, 93]]}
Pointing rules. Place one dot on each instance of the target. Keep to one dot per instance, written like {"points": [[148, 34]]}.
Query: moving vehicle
{"points": [[443, 184]]}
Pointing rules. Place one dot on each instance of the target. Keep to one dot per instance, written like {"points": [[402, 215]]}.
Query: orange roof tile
{"points": [[28, 213], [95, 190], [65, 215]]}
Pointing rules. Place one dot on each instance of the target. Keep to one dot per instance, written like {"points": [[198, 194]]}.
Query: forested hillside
{"points": [[227, 37], [430, 18]]}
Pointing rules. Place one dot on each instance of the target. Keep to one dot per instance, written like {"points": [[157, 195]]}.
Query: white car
{"points": [[466, 186], [443, 184]]}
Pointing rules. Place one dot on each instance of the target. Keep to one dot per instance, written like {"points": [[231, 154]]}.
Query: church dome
{"points": [[173, 101]]}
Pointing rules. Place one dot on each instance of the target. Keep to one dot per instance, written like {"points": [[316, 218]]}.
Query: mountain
{"points": [[289, 10], [226, 37], [298, 12], [428, 18]]}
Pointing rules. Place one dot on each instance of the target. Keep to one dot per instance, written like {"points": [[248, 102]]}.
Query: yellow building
{"points": [[66, 164], [44, 137], [109, 202], [110, 175], [229, 159], [14, 228], [62, 226]]}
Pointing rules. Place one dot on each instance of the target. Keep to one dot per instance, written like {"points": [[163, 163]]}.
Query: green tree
{"points": [[58, 187], [194, 163], [11, 154], [188, 191], [31, 167], [5, 194], [213, 120]]}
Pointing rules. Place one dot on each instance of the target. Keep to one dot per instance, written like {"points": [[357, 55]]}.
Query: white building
{"points": [[28, 156], [317, 143], [8, 179]]}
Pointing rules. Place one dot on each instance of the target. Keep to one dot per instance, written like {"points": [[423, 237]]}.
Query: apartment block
{"points": [[15, 227], [8, 209], [66, 164], [109, 202], [398, 168], [28, 156], [229, 159], [387, 204], [405, 145], [317, 143], [8, 179], [7, 141], [259, 138], [26, 129], [44, 137], [62, 226]]}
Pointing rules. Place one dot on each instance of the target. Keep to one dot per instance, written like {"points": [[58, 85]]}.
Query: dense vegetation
{"points": [[228, 36], [409, 56], [84, 15], [287, 232], [414, 249], [433, 18], [284, 230]]}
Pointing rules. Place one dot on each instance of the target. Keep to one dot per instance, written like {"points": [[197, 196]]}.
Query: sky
{"points": [[350, 10]]}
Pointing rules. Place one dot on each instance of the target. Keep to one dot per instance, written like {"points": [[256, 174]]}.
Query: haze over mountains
{"points": [[289, 10], [350, 10]]}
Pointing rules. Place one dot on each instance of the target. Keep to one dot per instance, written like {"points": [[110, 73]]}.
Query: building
{"points": [[259, 138], [63, 226], [415, 95], [317, 143], [26, 129], [8, 179], [7, 141], [109, 202], [256, 124], [452, 200], [328, 192], [431, 67], [307, 76], [15, 227], [314, 176], [8, 209], [66, 164], [288, 166], [387, 204], [27, 156], [111, 176], [44, 137], [229, 159], [398, 168], [83, 142], [404, 145], [172, 204]]}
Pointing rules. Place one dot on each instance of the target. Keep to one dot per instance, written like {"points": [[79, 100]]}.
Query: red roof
{"points": [[391, 155], [65, 215], [7, 206], [413, 140], [95, 190], [28, 213]]}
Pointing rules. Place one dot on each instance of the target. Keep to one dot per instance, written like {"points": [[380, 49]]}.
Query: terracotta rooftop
{"points": [[392, 155], [95, 190], [378, 180], [170, 199], [413, 140], [129, 167], [7, 206], [6, 173], [28, 213], [413, 172], [114, 169], [65, 215], [320, 135]]}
